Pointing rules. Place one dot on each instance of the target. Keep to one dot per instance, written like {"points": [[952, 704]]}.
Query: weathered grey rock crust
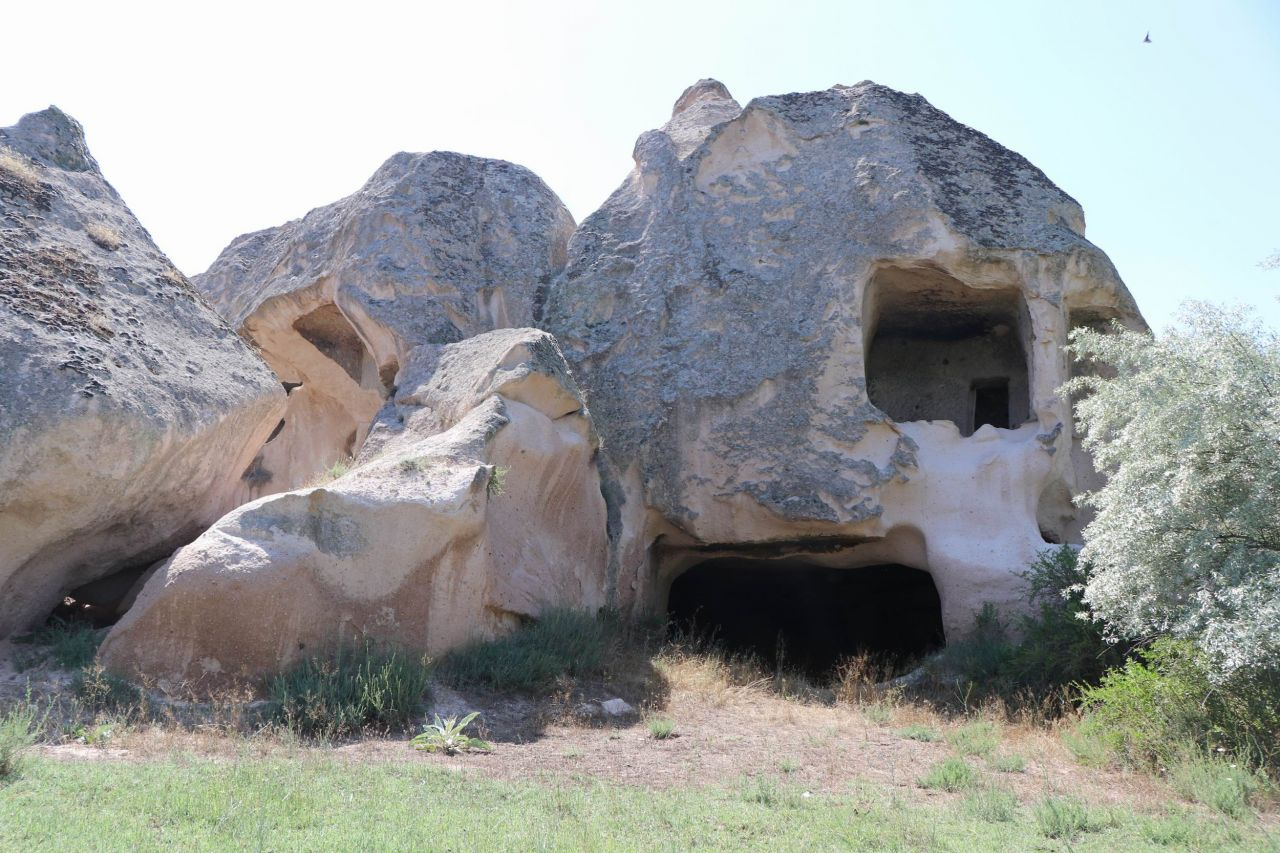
{"points": [[476, 501], [434, 248], [722, 308], [128, 408]]}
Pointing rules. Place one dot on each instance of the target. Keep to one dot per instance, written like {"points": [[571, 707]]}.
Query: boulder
{"points": [[128, 407], [831, 324], [475, 504], [434, 248]]}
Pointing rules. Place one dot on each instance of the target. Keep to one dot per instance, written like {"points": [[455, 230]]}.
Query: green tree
{"points": [[1186, 537]]}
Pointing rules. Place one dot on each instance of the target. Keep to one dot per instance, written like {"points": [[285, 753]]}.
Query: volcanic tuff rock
{"points": [[475, 501], [777, 314], [434, 248], [128, 408]]}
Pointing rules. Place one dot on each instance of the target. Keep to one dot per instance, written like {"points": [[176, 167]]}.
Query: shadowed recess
{"points": [[806, 616]]}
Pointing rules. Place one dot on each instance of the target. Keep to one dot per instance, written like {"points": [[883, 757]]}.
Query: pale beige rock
{"points": [[475, 502]]}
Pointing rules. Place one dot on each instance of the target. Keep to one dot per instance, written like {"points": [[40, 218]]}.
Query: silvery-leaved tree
{"points": [[1186, 539]]}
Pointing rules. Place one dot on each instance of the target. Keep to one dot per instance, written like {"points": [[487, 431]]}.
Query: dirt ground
{"points": [[724, 732]]}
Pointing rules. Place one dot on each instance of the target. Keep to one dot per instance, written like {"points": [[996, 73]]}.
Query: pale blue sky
{"points": [[239, 115]]}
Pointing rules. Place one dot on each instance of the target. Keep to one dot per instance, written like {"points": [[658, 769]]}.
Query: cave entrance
{"points": [[806, 616], [939, 350]]}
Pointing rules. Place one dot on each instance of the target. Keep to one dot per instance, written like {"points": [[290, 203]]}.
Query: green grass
{"points": [[367, 688], [314, 802], [17, 734], [980, 737], [1007, 763], [560, 643], [1068, 818], [661, 728], [951, 774], [1223, 785], [68, 645], [925, 734]]}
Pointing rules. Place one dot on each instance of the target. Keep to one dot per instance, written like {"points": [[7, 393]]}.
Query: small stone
{"points": [[616, 708]]}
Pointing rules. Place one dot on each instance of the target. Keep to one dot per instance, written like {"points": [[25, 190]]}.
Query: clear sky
{"points": [[214, 119]]}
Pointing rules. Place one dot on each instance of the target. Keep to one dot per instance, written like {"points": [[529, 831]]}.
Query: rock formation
{"points": [[128, 408], [433, 249], [476, 501], [830, 325]]}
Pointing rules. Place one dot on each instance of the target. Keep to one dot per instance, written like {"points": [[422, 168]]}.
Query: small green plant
{"points": [[105, 693], [448, 736], [69, 645], [18, 732], [767, 791], [338, 469], [661, 728], [1007, 763], [97, 734], [1067, 817], [924, 734], [878, 712], [979, 737], [951, 774], [497, 483], [369, 687], [992, 805], [788, 766], [559, 643]]}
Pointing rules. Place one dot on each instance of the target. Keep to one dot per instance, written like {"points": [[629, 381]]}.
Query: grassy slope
{"points": [[316, 803]]}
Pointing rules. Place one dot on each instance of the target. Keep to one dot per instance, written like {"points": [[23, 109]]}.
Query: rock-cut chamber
{"points": [[940, 350], [807, 616]]}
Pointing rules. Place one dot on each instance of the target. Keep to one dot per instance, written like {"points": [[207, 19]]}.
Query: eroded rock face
{"points": [[475, 501], [433, 249], [128, 408], [832, 323]]}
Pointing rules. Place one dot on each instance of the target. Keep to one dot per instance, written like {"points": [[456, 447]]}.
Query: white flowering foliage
{"points": [[1186, 540]]}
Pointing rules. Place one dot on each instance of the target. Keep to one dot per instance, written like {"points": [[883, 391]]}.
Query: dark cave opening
{"points": [[809, 617]]}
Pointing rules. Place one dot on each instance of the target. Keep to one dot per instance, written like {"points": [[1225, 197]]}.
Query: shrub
{"points": [[1170, 696], [102, 692], [1219, 783], [951, 774], [1058, 646], [920, 733], [70, 645], [977, 738], [366, 688], [1186, 537], [1066, 817], [661, 728], [17, 734], [559, 643]]}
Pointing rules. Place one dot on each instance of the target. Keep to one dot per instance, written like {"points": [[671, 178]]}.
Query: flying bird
{"points": [[1147, 40]]}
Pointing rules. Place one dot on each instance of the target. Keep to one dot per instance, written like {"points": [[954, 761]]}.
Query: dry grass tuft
{"points": [[19, 170], [104, 236]]}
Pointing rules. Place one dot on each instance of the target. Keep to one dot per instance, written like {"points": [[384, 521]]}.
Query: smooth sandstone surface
{"points": [[780, 316], [475, 503], [128, 407]]}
